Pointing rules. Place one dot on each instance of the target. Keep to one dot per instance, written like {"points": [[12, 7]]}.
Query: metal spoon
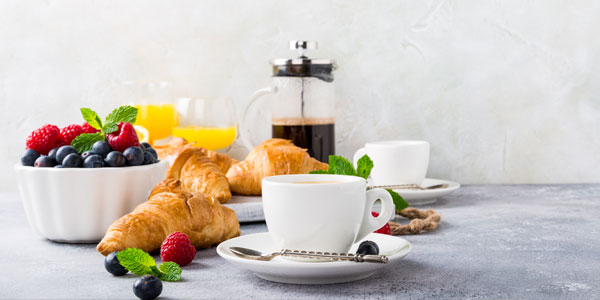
{"points": [[408, 187], [257, 255]]}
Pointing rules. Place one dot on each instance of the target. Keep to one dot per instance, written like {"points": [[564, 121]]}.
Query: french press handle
{"points": [[257, 98]]}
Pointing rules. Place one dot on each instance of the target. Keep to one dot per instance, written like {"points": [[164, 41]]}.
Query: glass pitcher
{"points": [[303, 102]]}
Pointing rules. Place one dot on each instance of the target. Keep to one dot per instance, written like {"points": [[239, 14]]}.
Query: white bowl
{"points": [[77, 205]]}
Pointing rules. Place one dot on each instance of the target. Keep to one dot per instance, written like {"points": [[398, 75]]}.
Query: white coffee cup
{"points": [[321, 212], [396, 162]]}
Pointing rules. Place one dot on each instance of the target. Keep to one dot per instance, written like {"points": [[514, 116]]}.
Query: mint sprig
{"points": [[84, 142], [138, 262], [338, 165]]}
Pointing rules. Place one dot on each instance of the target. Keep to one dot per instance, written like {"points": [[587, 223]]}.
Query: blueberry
{"points": [[93, 161], [145, 145], [87, 153], [153, 152], [63, 152], [72, 160], [52, 153], [44, 162], [368, 248], [134, 156], [115, 159], [147, 287], [101, 148], [148, 158], [28, 159], [112, 265], [59, 166]]}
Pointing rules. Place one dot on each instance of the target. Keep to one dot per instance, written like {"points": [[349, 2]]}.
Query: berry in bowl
{"points": [[74, 182]]}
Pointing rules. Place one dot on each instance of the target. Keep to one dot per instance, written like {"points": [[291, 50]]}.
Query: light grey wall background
{"points": [[505, 91]]}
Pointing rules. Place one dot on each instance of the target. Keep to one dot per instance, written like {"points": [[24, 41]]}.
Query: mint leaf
{"points": [[137, 261], [399, 202], [340, 166], [319, 172], [364, 166], [91, 117], [170, 271], [110, 127], [124, 113], [85, 141]]}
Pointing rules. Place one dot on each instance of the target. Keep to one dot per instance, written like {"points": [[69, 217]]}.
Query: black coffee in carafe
{"points": [[302, 103], [315, 135]]}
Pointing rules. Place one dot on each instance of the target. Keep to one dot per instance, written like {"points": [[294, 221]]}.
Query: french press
{"points": [[303, 102]]}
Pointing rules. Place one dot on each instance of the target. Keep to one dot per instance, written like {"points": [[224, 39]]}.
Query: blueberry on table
{"points": [[28, 159], [93, 161], [87, 153], [44, 162], [115, 159], [134, 156], [153, 152], [58, 166], [368, 248], [101, 148], [147, 287], [52, 153], [113, 266], [148, 158], [72, 160], [63, 152]]}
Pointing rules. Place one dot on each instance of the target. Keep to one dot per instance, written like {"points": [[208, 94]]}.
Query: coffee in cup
{"points": [[321, 212]]}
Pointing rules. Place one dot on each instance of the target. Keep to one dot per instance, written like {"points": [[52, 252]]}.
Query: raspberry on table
{"points": [[70, 132], [88, 129], [177, 248], [44, 139], [123, 138], [385, 229]]}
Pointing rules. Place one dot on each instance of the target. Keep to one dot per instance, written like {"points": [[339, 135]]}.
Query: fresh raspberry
{"points": [[44, 139], [177, 248], [69, 133], [123, 138], [385, 229], [88, 129]]}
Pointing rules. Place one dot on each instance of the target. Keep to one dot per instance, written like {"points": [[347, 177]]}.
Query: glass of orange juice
{"points": [[156, 111], [207, 123]]}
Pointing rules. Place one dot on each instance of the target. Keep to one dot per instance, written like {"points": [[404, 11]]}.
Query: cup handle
{"points": [[359, 153], [244, 128], [371, 223]]}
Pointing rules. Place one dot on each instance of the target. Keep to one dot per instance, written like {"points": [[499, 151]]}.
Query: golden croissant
{"points": [[198, 173], [272, 157], [170, 208], [177, 145]]}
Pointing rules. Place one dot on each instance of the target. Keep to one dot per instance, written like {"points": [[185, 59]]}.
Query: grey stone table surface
{"points": [[495, 242]]}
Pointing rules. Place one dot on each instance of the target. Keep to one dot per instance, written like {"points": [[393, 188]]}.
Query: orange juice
{"points": [[159, 119], [211, 138]]}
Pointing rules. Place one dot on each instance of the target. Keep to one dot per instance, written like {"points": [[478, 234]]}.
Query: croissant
{"points": [[177, 145], [198, 173], [170, 208], [272, 157]]}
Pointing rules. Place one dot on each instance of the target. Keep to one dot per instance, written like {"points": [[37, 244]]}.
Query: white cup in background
{"points": [[396, 162], [319, 212]]}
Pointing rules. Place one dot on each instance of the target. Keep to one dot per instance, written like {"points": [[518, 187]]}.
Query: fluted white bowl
{"points": [[77, 205]]}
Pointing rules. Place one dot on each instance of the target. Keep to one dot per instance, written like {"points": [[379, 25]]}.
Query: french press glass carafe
{"points": [[303, 102]]}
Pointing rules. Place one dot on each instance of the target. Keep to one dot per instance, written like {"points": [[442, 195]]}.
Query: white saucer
{"points": [[288, 271], [422, 197]]}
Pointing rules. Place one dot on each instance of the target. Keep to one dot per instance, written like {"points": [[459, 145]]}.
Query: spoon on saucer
{"points": [[408, 187], [257, 255]]}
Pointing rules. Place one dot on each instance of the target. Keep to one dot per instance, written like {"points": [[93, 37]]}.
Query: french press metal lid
{"points": [[304, 66]]}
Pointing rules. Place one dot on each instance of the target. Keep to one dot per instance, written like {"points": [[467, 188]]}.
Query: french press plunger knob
{"points": [[301, 46]]}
